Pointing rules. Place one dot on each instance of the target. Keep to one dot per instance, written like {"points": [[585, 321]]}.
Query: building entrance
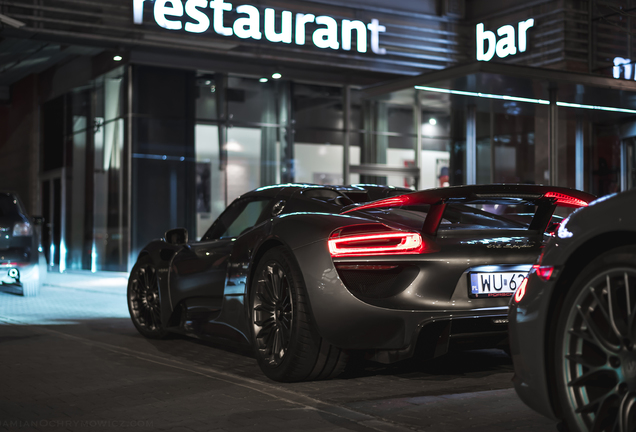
{"points": [[53, 205]]}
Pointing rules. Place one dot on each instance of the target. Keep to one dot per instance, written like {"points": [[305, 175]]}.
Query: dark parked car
{"points": [[306, 274], [22, 265], [573, 326]]}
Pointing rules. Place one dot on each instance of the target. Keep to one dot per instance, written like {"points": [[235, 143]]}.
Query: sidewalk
{"points": [[112, 282], [69, 298]]}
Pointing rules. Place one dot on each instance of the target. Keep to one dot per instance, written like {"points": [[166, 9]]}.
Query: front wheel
{"points": [[286, 343], [144, 302], [595, 354]]}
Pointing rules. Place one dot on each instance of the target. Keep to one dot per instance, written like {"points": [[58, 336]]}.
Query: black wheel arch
{"points": [[576, 262]]}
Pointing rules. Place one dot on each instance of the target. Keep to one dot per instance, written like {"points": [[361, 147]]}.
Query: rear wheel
{"points": [[143, 299], [286, 343], [595, 355]]}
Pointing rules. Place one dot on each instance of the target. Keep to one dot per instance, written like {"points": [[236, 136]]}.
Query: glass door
{"points": [[53, 205], [628, 164]]}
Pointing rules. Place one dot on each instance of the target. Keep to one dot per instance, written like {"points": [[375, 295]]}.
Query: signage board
{"points": [[197, 16], [488, 45]]}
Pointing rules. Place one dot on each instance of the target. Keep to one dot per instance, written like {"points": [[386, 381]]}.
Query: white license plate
{"points": [[501, 284]]}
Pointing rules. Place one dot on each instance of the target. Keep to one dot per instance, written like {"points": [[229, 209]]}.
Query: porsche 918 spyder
{"points": [[307, 274]]}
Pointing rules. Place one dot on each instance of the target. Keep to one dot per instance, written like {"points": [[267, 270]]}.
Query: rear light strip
{"points": [[566, 200], [543, 272], [521, 291], [390, 243]]}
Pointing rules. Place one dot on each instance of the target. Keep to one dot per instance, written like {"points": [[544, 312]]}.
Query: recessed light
{"points": [[432, 121], [118, 58], [276, 75], [263, 80]]}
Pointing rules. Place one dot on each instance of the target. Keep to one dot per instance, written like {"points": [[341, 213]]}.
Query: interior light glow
{"points": [[432, 121], [376, 244], [118, 58], [93, 258], [276, 75], [521, 291], [566, 200], [62, 256], [596, 107], [522, 99], [483, 95], [263, 80]]}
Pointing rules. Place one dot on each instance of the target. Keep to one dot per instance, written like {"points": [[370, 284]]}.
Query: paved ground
{"points": [[71, 359]]}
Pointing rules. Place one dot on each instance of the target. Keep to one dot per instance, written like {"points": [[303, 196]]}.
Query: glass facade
{"points": [[143, 149], [83, 181]]}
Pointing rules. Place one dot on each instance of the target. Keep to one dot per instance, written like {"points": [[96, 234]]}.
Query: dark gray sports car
{"points": [[306, 274], [573, 326]]}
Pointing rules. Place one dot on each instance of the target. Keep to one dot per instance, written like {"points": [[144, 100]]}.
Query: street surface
{"points": [[72, 360]]}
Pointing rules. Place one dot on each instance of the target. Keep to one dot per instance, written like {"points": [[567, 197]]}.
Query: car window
{"points": [[239, 217], [9, 206]]}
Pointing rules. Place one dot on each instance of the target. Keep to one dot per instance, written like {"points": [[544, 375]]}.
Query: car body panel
{"points": [[204, 285], [605, 224]]}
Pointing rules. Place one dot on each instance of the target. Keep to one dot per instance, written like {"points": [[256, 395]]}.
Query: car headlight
{"points": [[22, 229]]}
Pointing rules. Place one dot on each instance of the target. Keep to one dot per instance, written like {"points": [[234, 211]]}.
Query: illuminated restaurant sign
{"points": [[249, 25], [506, 45], [623, 68]]}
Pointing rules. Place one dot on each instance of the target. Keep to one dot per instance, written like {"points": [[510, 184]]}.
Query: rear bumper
{"points": [[434, 337], [15, 273], [527, 329]]}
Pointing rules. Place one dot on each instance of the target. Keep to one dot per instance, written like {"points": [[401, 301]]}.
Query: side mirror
{"points": [[176, 236], [38, 220]]}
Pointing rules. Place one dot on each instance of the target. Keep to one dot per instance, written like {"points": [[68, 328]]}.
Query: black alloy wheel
{"points": [[595, 352], [143, 299], [286, 343], [273, 313]]}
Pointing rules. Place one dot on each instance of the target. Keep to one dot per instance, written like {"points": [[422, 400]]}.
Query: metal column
{"points": [[417, 118], [492, 144], [553, 140], [346, 102], [579, 155], [471, 144]]}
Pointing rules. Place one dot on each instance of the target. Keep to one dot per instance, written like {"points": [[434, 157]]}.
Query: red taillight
{"points": [[566, 200], [387, 202], [544, 272], [521, 291], [386, 243]]}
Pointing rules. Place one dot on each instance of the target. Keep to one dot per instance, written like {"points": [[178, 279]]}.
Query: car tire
{"points": [[595, 350], [144, 303], [31, 288], [285, 339]]}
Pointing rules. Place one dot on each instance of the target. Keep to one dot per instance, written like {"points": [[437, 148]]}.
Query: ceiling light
{"points": [[118, 58], [432, 121], [208, 82], [263, 80], [276, 75]]}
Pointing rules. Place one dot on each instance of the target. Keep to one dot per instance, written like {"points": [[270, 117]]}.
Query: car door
{"points": [[198, 270]]}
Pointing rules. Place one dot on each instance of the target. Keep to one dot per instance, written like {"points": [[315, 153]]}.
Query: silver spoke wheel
{"points": [[272, 312], [598, 353]]}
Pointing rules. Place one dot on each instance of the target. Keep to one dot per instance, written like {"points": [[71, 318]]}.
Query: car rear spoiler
{"points": [[547, 198]]}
